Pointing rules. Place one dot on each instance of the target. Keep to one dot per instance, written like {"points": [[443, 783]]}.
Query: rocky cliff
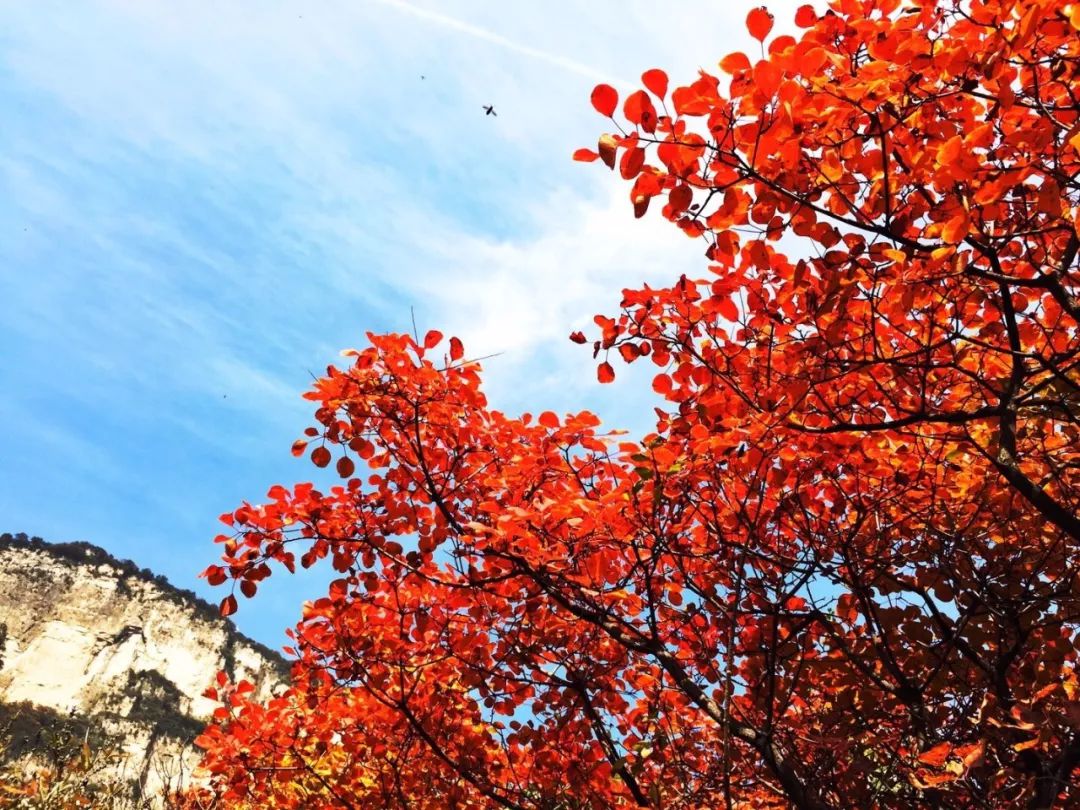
{"points": [[94, 642]]}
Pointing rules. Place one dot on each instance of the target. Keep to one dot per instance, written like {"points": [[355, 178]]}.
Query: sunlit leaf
{"points": [[605, 99], [759, 23]]}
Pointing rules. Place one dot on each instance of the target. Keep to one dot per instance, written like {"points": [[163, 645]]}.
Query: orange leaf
{"points": [[1074, 141], [457, 351], [432, 339], [759, 23], [930, 780], [605, 99], [971, 754], [734, 62], [605, 373], [549, 420], [656, 81], [697, 98], [585, 155], [781, 44], [956, 228], [937, 755]]}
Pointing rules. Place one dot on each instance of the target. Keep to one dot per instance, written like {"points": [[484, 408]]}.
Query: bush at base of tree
{"points": [[50, 762]]}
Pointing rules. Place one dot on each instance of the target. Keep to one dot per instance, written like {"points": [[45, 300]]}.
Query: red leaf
{"points": [[605, 373], [805, 16], [656, 80], [759, 23], [641, 205], [632, 162], [578, 337], [781, 44], [320, 456], [228, 605], [215, 575], [728, 309], [607, 148], [345, 466], [639, 110], [432, 339], [549, 420], [585, 155], [680, 198], [734, 62], [605, 99], [298, 447], [697, 98], [767, 77], [457, 351], [248, 588]]}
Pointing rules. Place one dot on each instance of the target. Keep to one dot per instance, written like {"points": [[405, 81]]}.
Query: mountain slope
{"points": [[96, 643]]}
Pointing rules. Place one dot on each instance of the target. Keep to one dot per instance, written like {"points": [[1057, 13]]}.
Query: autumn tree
{"points": [[841, 572]]}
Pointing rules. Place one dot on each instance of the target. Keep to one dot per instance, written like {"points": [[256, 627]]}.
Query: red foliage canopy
{"points": [[842, 572]]}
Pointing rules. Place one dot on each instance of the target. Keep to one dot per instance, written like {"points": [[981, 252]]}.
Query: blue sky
{"points": [[201, 202]]}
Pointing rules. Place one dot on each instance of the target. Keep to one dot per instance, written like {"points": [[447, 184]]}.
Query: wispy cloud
{"points": [[200, 202], [519, 48]]}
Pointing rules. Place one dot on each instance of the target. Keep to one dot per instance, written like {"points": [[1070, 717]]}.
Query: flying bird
{"points": [[489, 109]]}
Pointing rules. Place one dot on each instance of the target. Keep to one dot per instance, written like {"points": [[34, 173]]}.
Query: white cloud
{"points": [[204, 200], [400, 186], [522, 297]]}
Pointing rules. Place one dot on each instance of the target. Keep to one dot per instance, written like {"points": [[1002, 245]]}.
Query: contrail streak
{"points": [[562, 62]]}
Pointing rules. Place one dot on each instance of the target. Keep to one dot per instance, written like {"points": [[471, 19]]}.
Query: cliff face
{"points": [[83, 635]]}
